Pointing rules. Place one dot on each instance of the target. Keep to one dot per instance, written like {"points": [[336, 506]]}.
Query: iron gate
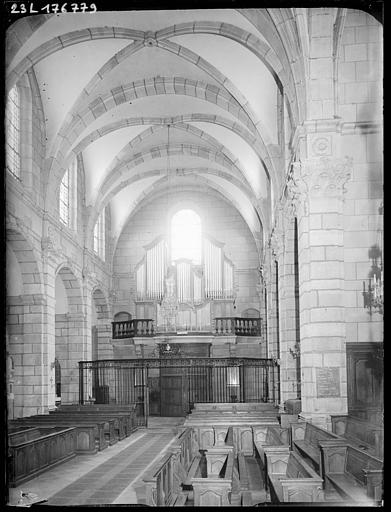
{"points": [[204, 379]]}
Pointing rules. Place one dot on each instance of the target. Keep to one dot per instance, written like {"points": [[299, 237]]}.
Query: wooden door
{"points": [[171, 395]]}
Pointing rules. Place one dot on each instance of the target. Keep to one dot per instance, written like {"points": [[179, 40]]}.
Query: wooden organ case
{"points": [[181, 296]]}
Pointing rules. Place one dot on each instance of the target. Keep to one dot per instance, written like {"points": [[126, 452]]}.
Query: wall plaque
{"points": [[327, 382]]}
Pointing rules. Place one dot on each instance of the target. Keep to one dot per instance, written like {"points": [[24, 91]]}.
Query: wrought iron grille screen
{"points": [[203, 379]]}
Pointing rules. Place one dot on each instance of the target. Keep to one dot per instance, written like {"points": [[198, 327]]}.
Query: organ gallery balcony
{"points": [[222, 326]]}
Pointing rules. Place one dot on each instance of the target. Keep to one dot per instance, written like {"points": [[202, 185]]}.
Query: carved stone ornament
{"points": [[297, 189], [321, 145], [50, 244], [318, 177], [150, 39], [276, 242], [328, 176]]}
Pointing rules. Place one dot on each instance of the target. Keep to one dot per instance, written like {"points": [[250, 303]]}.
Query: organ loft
{"points": [[194, 256]]}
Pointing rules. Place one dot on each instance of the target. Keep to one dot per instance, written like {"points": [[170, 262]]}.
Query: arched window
{"points": [[12, 115], [186, 241], [68, 196], [99, 235]]}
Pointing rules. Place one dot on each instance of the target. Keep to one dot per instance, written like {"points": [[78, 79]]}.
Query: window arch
{"points": [[12, 115], [68, 196], [186, 236], [100, 235]]}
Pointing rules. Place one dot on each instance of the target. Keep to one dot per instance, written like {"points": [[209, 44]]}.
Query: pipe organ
{"points": [[195, 286], [151, 271]]}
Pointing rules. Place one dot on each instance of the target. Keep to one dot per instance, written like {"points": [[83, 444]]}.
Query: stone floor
{"points": [[113, 476]]}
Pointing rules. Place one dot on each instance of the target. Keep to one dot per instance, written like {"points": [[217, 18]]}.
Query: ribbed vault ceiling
{"points": [[155, 99]]}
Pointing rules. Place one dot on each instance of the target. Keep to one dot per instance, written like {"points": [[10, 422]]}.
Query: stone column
{"points": [[49, 273], [317, 186], [289, 341], [271, 307]]}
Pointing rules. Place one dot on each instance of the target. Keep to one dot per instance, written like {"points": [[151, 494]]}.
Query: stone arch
{"points": [[20, 32], [122, 157], [184, 120], [161, 151], [155, 191], [72, 287], [69, 331], [200, 179], [251, 313], [27, 259], [25, 326], [100, 303], [131, 92], [122, 316]]}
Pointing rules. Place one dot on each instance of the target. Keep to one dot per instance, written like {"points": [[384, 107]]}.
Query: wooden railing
{"points": [[132, 328], [237, 326]]}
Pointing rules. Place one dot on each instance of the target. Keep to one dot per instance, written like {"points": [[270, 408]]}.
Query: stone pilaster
{"points": [[49, 335], [289, 339], [319, 184]]}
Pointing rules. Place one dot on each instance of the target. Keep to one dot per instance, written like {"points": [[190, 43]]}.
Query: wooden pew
{"points": [[85, 427], [122, 421], [360, 433], [23, 435], [291, 479], [234, 406], [166, 478], [272, 439], [355, 474], [215, 490], [239, 435], [32, 457], [109, 431], [305, 439]]}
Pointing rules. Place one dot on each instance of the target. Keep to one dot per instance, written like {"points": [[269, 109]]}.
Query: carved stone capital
{"points": [[297, 189], [276, 242], [318, 177]]}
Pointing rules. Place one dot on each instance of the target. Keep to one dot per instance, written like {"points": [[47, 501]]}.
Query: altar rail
{"points": [[132, 328], [239, 326]]}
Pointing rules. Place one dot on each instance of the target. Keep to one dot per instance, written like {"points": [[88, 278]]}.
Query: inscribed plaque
{"points": [[327, 382]]}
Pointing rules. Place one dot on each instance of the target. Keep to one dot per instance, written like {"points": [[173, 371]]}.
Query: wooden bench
{"points": [[26, 434], [291, 479], [110, 431], [269, 438], [215, 490], [305, 439], [232, 407], [355, 474], [30, 458], [192, 471], [360, 433], [243, 473], [122, 421], [85, 427]]}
